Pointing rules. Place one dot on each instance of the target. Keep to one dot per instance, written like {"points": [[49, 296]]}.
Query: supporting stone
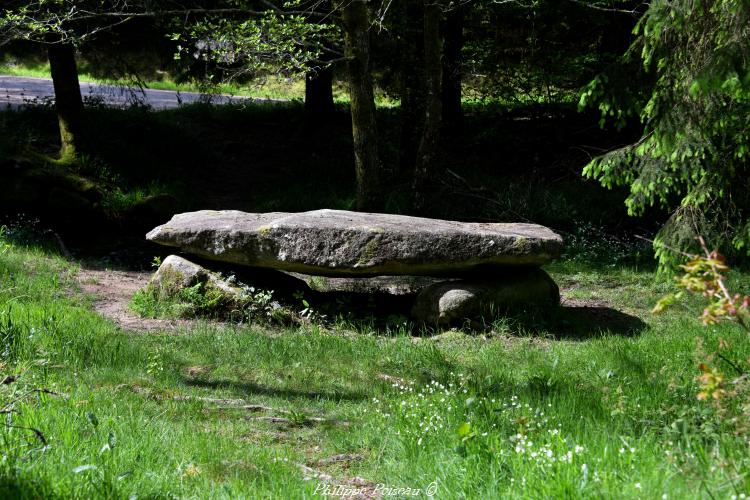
{"points": [[177, 273], [451, 302], [389, 285]]}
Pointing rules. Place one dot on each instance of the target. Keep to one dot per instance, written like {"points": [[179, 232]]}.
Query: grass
{"points": [[527, 410]]}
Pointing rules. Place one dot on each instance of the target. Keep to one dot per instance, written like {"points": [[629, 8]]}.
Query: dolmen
{"points": [[455, 270]]}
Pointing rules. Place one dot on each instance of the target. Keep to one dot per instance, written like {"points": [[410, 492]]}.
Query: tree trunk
{"points": [[433, 51], [452, 69], [68, 100], [356, 17], [412, 84], [319, 93]]}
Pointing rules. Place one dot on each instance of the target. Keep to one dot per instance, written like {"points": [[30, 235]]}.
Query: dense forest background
{"points": [[481, 110]]}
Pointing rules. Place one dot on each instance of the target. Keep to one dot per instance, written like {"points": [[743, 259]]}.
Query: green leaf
{"points": [[464, 430]]}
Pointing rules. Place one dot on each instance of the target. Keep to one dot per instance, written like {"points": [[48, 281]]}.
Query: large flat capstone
{"points": [[342, 243]]}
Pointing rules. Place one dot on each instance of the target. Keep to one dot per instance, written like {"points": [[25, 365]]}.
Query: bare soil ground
{"points": [[112, 291]]}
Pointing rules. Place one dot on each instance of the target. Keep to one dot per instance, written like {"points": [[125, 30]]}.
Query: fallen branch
{"points": [[273, 420], [300, 421], [255, 408], [339, 458], [241, 404], [216, 401]]}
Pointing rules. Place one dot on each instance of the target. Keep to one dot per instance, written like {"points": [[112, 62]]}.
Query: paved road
{"points": [[17, 91]]}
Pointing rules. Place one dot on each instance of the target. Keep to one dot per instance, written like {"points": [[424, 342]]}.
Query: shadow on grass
{"points": [[250, 388], [20, 485], [565, 323], [583, 322]]}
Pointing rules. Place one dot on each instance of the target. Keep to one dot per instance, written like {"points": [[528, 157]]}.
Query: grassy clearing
{"points": [[522, 411]]}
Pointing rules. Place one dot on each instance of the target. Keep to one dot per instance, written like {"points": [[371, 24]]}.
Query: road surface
{"points": [[16, 91]]}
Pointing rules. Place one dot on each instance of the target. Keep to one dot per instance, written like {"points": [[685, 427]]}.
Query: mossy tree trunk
{"points": [[433, 54], [68, 101], [357, 22]]}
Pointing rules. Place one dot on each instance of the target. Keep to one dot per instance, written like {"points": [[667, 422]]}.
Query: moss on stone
{"points": [[318, 283], [368, 252]]}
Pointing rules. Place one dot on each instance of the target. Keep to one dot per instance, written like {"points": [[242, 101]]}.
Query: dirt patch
{"points": [[112, 291]]}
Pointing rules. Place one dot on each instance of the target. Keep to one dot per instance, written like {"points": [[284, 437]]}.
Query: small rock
{"points": [[177, 273]]}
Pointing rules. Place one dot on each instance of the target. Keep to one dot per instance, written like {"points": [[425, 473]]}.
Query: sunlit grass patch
{"points": [[246, 411]]}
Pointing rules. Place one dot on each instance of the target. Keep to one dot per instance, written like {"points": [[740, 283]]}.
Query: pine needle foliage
{"points": [[687, 78]]}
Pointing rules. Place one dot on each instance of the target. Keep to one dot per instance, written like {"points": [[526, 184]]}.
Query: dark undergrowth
{"points": [[502, 164]]}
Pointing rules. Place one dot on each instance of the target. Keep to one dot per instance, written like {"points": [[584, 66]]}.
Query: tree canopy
{"points": [[692, 96]]}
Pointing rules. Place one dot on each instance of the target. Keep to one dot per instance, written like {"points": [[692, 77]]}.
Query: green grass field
{"points": [[579, 405]]}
